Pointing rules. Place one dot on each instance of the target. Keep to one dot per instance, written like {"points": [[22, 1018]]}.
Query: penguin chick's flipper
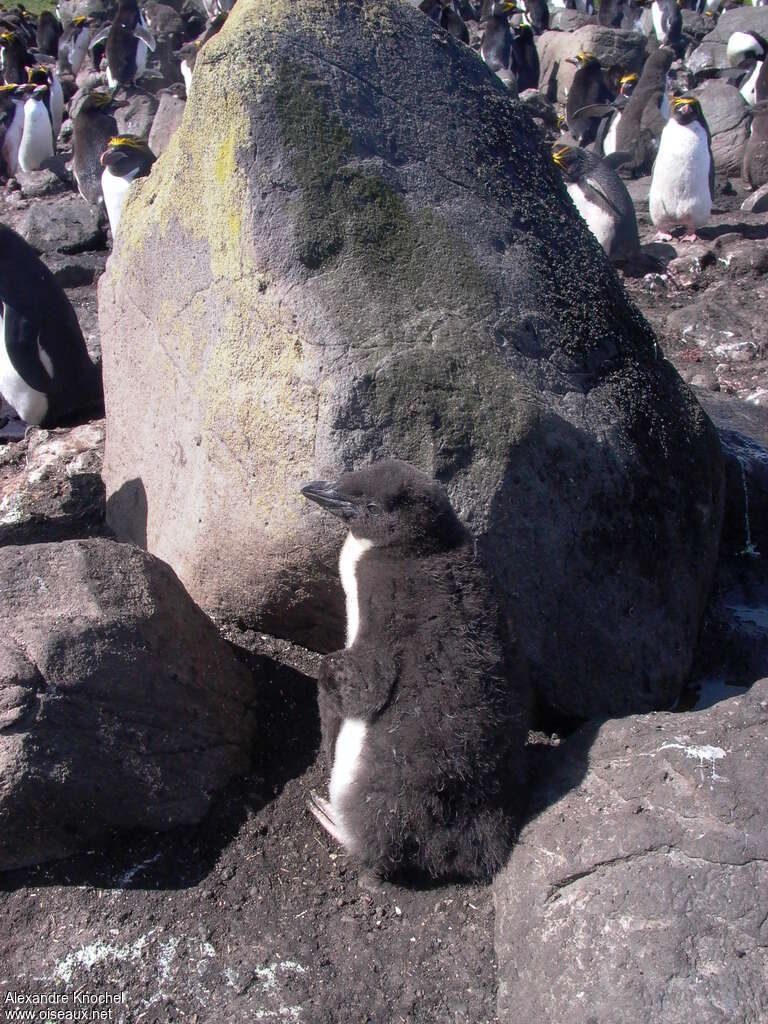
{"points": [[595, 110], [359, 680], [23, 347], [321, 809], [142, 33]]}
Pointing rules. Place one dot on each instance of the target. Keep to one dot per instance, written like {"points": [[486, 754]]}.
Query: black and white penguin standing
{"points": [[42, 74], [125, 159], [524, 58], [602, 199], [627, 84], [128, 41], [45, 370], [92, 127], [667, 22], [14, 59], [588, 88], [747, 50], [754, 168], [73, 45], [496, 47], [48, 33], [37, 137], [423, 716], [536, 15], [11, 127], [683, 177], [645, 115]]}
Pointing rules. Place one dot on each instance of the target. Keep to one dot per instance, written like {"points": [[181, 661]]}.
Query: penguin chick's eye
{"points": [[373, 509]]}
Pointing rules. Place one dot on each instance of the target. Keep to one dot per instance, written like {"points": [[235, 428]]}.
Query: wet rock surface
{"points": [[640, 891]]}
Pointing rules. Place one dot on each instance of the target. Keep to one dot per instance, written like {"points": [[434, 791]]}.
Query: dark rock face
{"points": [[61, 224], [120, 707], [728, 118], [301, 286], [640, 892], [167, 119]]}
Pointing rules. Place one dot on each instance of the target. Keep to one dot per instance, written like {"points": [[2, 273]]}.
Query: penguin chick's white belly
{"points": [[31, 405], [609, 142], [115, 189], [346, 763], [37, 138], [186, 74], [351, 553], [679, 192], [600, 221]]}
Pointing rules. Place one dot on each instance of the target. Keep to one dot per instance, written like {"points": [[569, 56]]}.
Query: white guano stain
{"points": [[96, 953], [703, 753]]}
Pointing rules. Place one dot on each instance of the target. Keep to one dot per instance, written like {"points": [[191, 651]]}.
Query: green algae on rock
{"points": [[355, 247]]}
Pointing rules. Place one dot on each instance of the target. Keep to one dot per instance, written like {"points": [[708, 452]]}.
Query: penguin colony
{"points": [[424, 713]]}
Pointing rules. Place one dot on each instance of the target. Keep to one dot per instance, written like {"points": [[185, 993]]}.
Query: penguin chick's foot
{"points": [[693, 237], [324, 813]]}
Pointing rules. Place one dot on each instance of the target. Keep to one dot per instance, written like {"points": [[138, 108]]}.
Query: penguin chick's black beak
{"points": [[328, 496]]}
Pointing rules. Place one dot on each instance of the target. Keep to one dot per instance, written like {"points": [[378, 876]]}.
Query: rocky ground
{"points": [[255, 914]]}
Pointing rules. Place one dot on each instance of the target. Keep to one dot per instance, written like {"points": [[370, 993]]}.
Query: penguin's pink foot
{"points": [[322, 810], [693, 237], [662, 236]]}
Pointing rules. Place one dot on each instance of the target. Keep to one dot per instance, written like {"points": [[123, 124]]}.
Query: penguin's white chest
{"points": [[31, 405], [679, 192], [115, 189], [749, 89], [351, 738], [186, 74], [12, 139], [658, 21], [351, 553], [600, 220], [609, 142], [37, 138], [57, 104]]}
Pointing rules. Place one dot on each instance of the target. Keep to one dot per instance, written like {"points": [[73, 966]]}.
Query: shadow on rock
{"points": [[127, 512]]}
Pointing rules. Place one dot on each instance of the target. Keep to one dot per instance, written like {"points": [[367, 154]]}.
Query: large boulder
{"points": [[120, 706], [728, 118], [360, 248], [639, 889], [612, 47], [713, 45]]}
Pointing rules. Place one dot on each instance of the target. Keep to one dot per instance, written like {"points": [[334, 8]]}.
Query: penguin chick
{"points": [[588, 88], [645, 115], [682, 181], [524, 58], [125, 159], [45, 370], [424, 715], [128, 40], [602, 199], [92, 128]]}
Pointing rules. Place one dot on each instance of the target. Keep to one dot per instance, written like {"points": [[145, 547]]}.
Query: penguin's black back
{"points": [[122, 43], [642, 122], [37, 312], [48, 34], [92, 129], [588, 88], [525, 58]]}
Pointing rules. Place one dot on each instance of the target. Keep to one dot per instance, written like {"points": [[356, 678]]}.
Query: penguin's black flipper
{"points": [[23, 346], [144, 34], [595, 110], [596, 187], [100, 36], [360, 679], [616, 159]]}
